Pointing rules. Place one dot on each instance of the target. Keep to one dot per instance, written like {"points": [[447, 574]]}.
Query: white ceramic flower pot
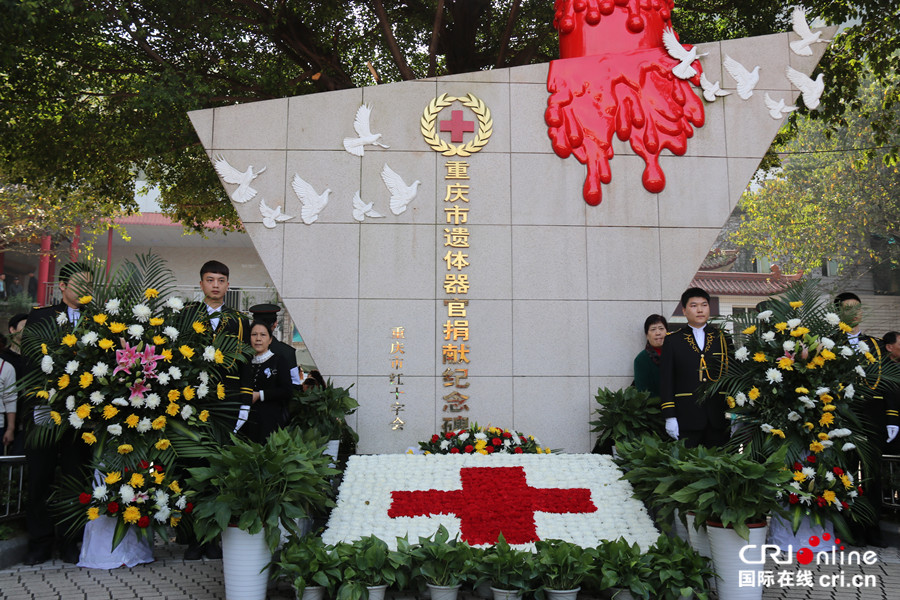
{"points": [[312, 592], [726, 547], [443, 592], [621, 594], [331, 449], [698, 537], [562, 594], [506, 594], [376, 592], [244, 558]]}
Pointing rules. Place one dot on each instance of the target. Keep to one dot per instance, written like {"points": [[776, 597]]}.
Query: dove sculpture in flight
{"points": [[401, 193], [746, 80], [271, 216], [229, 174], [801, 47], [711, 90], [361, 210], [356, 146], [312, 202], [777, 109], [682, 70], [810, 88]]}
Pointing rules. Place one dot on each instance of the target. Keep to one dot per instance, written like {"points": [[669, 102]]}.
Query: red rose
{"points": [[811, 459], [126, 469], [454, 450], [489, 449], [859, 489], [112, 508], [189, 508], [844, 504], [144, 521], [507, 434], [838, 471], [449, 435], [798, 466], [144, 465], [519, 450], [496, 441], [159, 468], [523, 439], [821, 501], [435, 438], [794, 499], [84, 497], [470, 448]]}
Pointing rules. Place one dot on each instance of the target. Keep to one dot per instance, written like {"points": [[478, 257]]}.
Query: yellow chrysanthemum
{"points": [[822, 436], [547, 450], [799, 476], [131, 515], [777, 432], [826, 398], [167, 355], [220, 391], [818, 361], [136, 481], [162, 444], [69, 340], [799, 332], [113, 477], [150, 293], [827, 354], [203, 416], [132, 420], [44, 349], [731, 402], [811, 366], [827, 420], [106, 343], [174, 395], [85, 380], [188, 393], [796, 304], [844, 327], [781, 326], [63, 382], [846, 481], [186, 351], [816, 447], [829, 408], [109, 411], [117, 327], [175, 487], [219, 357], [83, 411], [92, 513], [89, 438], [100, 319], [43, 394], [159, 340], [786, 363], [809, 426], [159, 423], [480, 444], [199, 327], [172, 409], [759, 357], [750, 330], [125, 449], [801, 390], [157, 321], [174, 521], [86, 299], [56, 417], [157, 477], [829, 496], [539, 450], [869, 357], [753, 394]]}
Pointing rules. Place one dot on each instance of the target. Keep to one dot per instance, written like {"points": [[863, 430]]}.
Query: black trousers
{"points": [[709, 437]]}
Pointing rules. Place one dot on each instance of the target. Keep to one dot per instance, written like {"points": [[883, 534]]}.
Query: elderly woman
{"points": [[646, 363], [270, 377]]}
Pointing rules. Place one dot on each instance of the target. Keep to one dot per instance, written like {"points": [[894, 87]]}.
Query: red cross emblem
{"points": [[493, 500], [457, 126]]}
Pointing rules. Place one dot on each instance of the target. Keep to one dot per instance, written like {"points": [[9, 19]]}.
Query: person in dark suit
{"points": [[268, 314], [691, 357], [646, 363], [270, 378], [70, 455]]}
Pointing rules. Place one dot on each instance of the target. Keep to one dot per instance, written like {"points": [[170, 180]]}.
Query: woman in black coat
{"points": [[270, 377]]}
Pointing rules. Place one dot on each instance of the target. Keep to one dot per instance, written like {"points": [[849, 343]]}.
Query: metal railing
{"points": [[12, 487]]}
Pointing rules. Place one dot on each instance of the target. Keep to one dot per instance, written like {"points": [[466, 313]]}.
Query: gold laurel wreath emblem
{"points": [[485, 125]]}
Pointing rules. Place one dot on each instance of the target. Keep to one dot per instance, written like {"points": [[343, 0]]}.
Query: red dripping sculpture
{"points": [[614, 75]]}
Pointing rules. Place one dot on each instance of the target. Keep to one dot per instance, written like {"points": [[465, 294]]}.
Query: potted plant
{"points": [[679, 571], [368, 567], [444, 563], [510, 571], [325, 410], [247, 490], [624, 572], [625, 414], [312, 567], [562, 566]]}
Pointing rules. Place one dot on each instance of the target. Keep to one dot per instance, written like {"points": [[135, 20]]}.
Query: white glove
{"points": [[672, 427], [892, 432], [243, 415]]}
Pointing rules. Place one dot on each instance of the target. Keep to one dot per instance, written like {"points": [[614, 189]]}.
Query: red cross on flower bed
{"points": [[493, 499], [457, 126]]}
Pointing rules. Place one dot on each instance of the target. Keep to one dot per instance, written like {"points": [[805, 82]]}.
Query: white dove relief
{"points": [[312, 202], [401, 194], [778, 109], [356, 145], [801, 47], [229, 174], [746, 80], [682, 70], [811, 89], [711, 90], [361, 210], [271, 216]]}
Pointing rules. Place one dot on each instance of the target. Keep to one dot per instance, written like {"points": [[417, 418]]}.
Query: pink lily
{"points": [[148, 360], [138, 389], [126, 358]]}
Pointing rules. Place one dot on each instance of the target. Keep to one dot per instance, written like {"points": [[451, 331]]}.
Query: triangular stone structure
{"points": [[558, 289]]}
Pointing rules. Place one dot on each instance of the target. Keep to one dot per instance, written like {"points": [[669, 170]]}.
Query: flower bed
{"points": [[573, 497]]}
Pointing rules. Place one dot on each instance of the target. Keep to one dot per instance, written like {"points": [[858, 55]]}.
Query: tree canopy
{"points": [[91, 91]]}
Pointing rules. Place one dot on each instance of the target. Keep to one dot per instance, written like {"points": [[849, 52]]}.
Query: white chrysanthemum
{"points": [[62, 318], [862, 347], [849, 476], [135, 331], [794, 416], [114, 429], [793, 323], [144, 425], [75, 421], [181, 503], [849, 391], [160, 497], [853, 493], [47, 364], [480, 436], [807, 402], [204, 377], [152, 401], [789, 346], [70, 403], [171, 333], [842, 432], [768, 336], [176, 304], [162, 514], [163, 378], [827, 343], [202, 390], [119, 402], [822, 390], [827, 443], [90, 338], [445, 444], [809, 472], [766, 428], [740, 398], [838, 506], [112, 306], [829, 476], [795, 485], [100, 369], [187, 411], [71, 366], [175, 372], [51, 395], [773, 376], [846, 351], [742, 354], [806, 499], [101, 492], [764, 315], [848, 446], [136, 401], [209, 353], [127, 493], [860, 371], [96, 398], [832, 318], [463, 436], [141, 312]]}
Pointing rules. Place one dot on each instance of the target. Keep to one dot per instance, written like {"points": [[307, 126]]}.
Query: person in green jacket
{"points": [[646, 363]]}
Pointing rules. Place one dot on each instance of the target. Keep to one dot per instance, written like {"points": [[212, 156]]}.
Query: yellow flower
{"points": [[547, 451], [89, 438], [749, 330], [92, 513], [174, 521], [150, 293], [822, 437], [109, 411], [220, 391], [539, 450], [869, 357], [799, 476], [799, 332], [844, 327], [44, 349], [809, 426], [174, 395], [189, 393], [786, 363], [157, 321], [85, 380], [162, 444], [137, 480], [199, 327], [730, 401], [796, 304], [759, 357], [56, 417], [159, 340], [100, 319], [480, 444], [172, 409], [827, 420], [167, 355], [829, 408], [816, 447], [219, 357], [113, 477], [131, 515], [125, 449], [825, 398], [132, 420], [829, 496], [157, 477], [781, 327], [753, 394], [117, 327], [85, 299], [828, 354], [105, 343], [818, 361], [846, 481], [159, 423], [83, 411], [175, 487], [63, 382], [811, 366], [203, 416], [43, 394], [69, 340], [186, 351], [778, 432]]}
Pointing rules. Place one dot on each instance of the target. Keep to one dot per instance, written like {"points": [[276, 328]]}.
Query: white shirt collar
{"points": [[261, 358]]}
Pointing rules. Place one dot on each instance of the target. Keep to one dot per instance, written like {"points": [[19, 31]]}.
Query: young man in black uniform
{"points": [[691, 356]]}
